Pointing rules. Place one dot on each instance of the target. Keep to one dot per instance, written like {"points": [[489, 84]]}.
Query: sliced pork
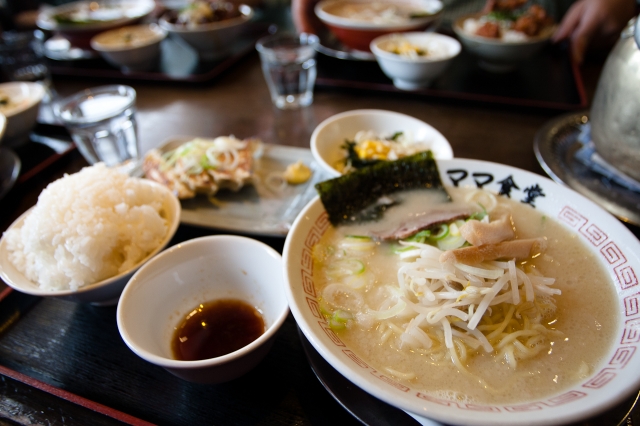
{"points": [[417, 224], [515, 249], [480, 233]]}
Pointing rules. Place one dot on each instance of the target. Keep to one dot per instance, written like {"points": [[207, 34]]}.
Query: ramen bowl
{"points": [[210, 40], [357, 22], [607, 382], [165, 290], [21, 107], [329, 136], [131, 48], [79, 21], [105, 292], [496, 55], [414, 60]]}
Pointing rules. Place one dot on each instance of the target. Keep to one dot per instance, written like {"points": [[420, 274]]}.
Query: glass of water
{"points": [[289, 66], [102, 123]]}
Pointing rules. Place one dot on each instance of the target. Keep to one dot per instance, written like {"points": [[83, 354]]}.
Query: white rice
{"points": [[87, 227]]}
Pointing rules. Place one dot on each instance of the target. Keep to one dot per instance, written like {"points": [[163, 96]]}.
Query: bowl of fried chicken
{"points": [[506, 34]]}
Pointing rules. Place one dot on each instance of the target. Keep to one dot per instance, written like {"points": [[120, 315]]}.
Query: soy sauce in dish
{"points": [[216, 328]]}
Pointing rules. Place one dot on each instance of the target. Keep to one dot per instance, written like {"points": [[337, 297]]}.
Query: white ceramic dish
{"points": [[497, 55], [410, 73], [22, 111], [131, 48], [255, 209], [212, 40], [105, 292], [165, 290], [329, 136], [617, 376]]}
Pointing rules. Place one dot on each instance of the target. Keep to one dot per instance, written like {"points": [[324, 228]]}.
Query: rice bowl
{"points": [[86, 237]]}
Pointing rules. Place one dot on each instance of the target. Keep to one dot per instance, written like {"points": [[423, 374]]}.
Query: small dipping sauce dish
{"points": [[233, 284]]}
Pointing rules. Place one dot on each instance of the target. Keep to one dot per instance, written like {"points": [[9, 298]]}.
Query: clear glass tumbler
{"points": [[289, 67], [102, 123]]}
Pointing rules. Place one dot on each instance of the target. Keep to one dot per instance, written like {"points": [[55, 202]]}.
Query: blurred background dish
{"points": [[499, 54], [328, 138], [10, 165], [20, 103], [131, 48], [357, 22], [210, 37], [78, 21], [197, 272], [414, 60]]}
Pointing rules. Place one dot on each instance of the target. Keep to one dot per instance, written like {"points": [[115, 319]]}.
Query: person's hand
{"points": [[593, 22], [304, 18]]}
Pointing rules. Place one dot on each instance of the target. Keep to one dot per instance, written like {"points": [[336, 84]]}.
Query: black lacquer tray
{"points": [[549, 81]]}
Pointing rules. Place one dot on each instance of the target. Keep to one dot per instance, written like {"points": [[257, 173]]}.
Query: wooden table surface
{"points": [[238, 103]]}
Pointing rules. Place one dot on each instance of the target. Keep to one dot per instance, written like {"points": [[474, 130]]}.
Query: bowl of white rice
{"points": [[88, 233]]}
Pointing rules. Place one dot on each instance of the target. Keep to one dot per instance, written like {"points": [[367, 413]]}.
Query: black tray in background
{"points": [[178, 62], [47, 144], [549, 81]]}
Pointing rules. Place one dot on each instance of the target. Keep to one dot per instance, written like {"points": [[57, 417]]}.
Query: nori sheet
{"points": [[345, 197]]}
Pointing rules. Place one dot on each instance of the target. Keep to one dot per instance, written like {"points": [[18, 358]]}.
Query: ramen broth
{"points": [[586, 314]]}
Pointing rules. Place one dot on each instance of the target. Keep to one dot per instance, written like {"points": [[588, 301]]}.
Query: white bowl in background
{"points": [[105, 292], [21, 110], [211, 40], [162, 292], [611, 381], [496, 55], [329, 136], [410, 73], [131, 48]]}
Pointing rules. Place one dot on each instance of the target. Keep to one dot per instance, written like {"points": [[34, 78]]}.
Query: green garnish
{"points": [[352, 156], [442, 232], [395, 136], [503, 15]]}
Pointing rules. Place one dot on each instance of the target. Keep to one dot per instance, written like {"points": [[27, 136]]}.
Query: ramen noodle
{"points": [[524, 325]]}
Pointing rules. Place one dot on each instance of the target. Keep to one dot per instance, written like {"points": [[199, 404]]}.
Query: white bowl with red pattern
{"points": [[614, 379]]}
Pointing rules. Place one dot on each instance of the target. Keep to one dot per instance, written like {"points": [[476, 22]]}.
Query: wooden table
{"points": [[283, 389]]}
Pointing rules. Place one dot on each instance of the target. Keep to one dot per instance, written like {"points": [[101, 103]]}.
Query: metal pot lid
{"points": [[636, 34]]}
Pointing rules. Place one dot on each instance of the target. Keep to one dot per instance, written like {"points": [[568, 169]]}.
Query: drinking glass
{"points": [[102, 123], [289, 66]]}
